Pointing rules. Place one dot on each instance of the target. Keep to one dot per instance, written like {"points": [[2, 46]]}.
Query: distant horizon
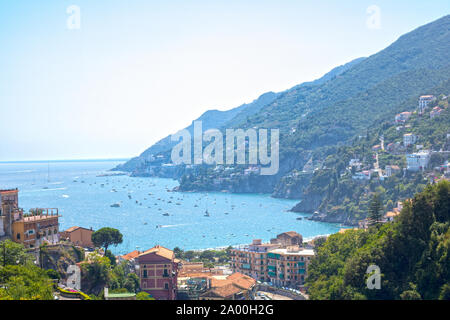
{"points": [[66, 160]]}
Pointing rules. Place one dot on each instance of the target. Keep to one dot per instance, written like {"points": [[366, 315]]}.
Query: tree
{"points": [[131, 282], [178, 252], [105, 237], [111, 257], [95, 273], [12, 253], [375, 210], [24, 283]]}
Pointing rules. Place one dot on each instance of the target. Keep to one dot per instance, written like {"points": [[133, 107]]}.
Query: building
{"points": [[391, 215], [435, 112], [30, 229], [279, 263], [233, 287], [37, 227], [79, 236], [409, 139], [417, 161], [130, 257], [391, 170], [9, 211], [424, 101], [158, 272], [402, 117], [290, 238]]}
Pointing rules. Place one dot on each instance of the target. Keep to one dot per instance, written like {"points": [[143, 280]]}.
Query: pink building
{"points": [[158, 272]]}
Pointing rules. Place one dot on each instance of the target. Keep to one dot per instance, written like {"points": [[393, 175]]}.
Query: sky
{"points": [[84, 79]]}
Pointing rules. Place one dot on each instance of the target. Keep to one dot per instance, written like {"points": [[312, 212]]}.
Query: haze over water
{"points": [[84, 199]]}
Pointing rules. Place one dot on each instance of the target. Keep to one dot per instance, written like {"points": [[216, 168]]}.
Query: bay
{"points": [[148, 214]]}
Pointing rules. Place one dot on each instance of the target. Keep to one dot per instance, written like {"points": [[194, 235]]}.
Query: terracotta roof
{"points": [[160, 251], [131, 255], [9, 191], [224, 291], [71, 229], [242, 281]]}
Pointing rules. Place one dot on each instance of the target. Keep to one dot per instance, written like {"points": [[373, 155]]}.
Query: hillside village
{"points": [[396, 160]]}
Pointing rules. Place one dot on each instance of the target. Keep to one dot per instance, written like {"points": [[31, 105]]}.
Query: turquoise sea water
{"points": [[85, 199]]}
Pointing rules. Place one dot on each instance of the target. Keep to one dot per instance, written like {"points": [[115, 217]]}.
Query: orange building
{"points": [[30, 229], [79, 236], [234, 287], [36, 228]]}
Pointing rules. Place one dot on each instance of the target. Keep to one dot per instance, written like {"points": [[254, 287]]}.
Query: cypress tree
{"points": [[375, 210]]}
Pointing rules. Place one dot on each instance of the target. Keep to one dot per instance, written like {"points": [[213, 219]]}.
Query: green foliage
{"points": [[144, 296], [53, 274], [111, 257], [412, 253], [209, 257], [95, 274], [375, 210], [12, 253], [24, 282]]}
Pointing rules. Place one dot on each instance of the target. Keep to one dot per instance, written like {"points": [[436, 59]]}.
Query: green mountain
{"points": [[315, 120]]}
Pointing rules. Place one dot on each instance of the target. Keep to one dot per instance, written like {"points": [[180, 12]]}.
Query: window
{"points": [[166, 285], [18, 236], [145, 274]]}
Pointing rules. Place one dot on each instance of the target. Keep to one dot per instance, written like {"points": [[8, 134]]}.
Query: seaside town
{"points": [[83, 268]]}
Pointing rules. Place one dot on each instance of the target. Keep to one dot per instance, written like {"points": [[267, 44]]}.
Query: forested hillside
{"points": [[412, 253]]}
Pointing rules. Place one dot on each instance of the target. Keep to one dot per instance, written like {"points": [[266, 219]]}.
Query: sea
{"points": [[146, 210]]}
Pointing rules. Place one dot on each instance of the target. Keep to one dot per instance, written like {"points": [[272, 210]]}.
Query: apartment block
{"points": [[283, 262]]}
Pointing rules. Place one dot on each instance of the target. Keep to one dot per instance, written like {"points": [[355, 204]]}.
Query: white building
{"points": [[390, 170], [417, 161], [409, 139], [424, 101]]}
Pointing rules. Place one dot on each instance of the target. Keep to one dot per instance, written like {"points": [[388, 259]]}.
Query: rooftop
{"points": [[131, 255], [160, 251], [300, 252]]}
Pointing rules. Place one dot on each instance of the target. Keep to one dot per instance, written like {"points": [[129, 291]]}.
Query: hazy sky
{"points": [[136, 71]]}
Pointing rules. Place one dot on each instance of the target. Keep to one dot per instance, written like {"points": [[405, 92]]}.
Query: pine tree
{"points": [[375, 210]]}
